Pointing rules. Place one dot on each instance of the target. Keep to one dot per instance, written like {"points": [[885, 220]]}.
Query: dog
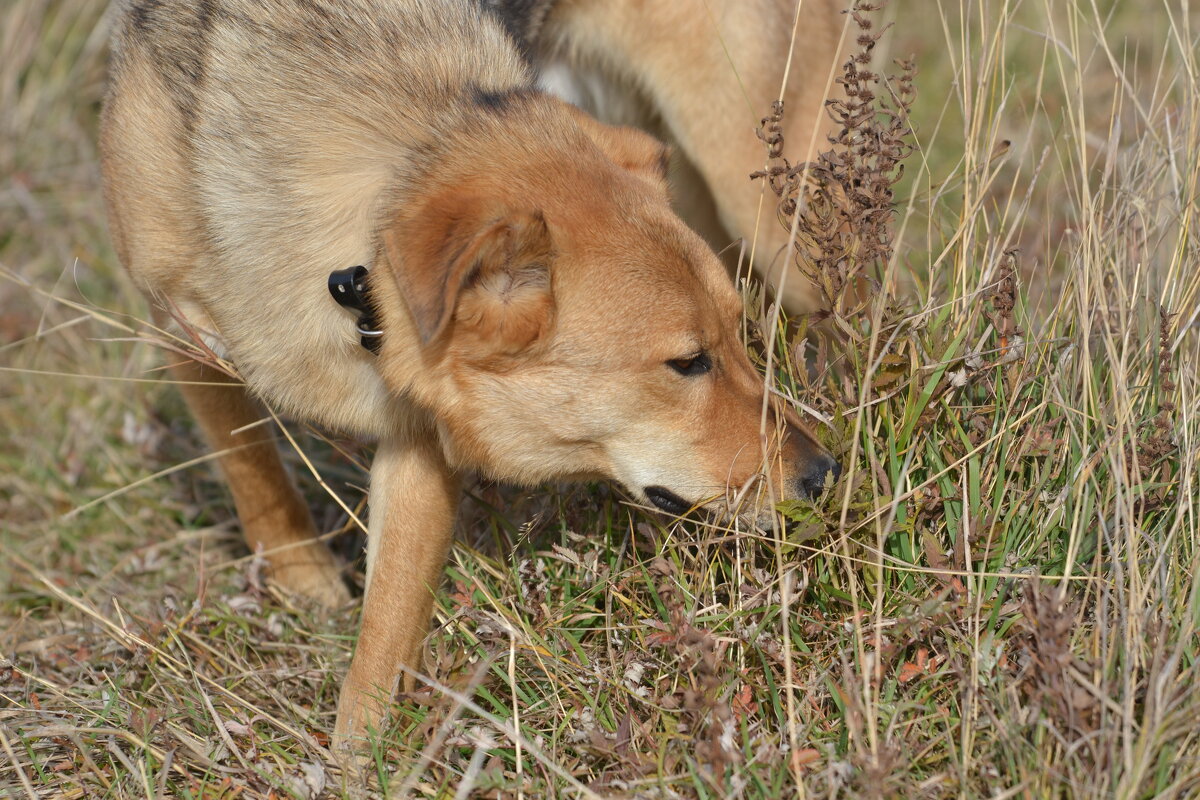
{"points": [[526, 302], [699, 75]]}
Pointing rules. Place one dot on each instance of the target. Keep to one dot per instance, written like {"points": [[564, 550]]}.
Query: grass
{"points": [[998, 599]]}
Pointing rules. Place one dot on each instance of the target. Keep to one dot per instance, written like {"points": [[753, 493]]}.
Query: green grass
{"points": [[998, 599]]}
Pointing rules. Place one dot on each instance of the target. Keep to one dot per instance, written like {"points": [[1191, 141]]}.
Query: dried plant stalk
{"points": [[844, 198]]}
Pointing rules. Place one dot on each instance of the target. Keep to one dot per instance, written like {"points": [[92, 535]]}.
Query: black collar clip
{"points": [[349, 288]]}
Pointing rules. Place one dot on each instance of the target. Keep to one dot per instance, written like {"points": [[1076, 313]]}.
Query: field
{"points": [[999, 598]]}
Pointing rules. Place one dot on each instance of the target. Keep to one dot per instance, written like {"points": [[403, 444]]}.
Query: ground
{"points": [[999, 598]]}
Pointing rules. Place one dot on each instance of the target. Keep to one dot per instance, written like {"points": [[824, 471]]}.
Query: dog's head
{"points": [[567, 324]]}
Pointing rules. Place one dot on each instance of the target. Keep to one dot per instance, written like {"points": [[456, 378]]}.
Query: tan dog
{"points": [[700, 74], [544, 313]]}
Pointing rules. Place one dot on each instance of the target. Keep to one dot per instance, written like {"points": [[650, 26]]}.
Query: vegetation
{"points": [[998, 598]]}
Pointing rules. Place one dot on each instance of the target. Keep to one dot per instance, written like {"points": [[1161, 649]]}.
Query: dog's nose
{"points": [[812, 480]]}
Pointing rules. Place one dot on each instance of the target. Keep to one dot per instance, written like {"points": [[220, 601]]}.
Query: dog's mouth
{"points": [[667, 500]]}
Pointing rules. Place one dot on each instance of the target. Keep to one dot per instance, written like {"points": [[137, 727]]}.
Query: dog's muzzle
{"points": [[811, 483]]}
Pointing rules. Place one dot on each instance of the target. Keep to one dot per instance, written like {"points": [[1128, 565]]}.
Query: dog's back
{"points": [[302, 113]]}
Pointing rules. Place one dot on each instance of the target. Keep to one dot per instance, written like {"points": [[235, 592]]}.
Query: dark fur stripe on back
{"points": [[184, 57], [501, 100]]}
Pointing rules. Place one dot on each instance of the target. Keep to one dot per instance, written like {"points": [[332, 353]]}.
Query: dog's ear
{"points": [[481, 270], [634, 150]]}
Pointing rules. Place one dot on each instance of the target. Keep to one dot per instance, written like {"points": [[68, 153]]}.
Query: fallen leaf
{"points": [[802, 758], [743, 702]]}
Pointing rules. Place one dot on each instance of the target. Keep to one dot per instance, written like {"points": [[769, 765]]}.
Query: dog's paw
{"points": [[318, 580], [351, 744]]}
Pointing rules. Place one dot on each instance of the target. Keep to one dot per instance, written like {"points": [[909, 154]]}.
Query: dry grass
{"points": [[999, 598]]}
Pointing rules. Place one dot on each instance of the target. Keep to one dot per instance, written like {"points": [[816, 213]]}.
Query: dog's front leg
{"points": [[414, 496]]}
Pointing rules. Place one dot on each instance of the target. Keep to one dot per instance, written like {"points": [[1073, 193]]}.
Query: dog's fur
{"points": [[531, 280]]}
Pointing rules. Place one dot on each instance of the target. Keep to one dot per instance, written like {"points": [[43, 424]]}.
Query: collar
{"points": [[350, 289]]}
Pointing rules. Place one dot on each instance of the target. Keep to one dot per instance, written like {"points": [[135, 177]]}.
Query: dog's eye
{"points": [[692, 365]]}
